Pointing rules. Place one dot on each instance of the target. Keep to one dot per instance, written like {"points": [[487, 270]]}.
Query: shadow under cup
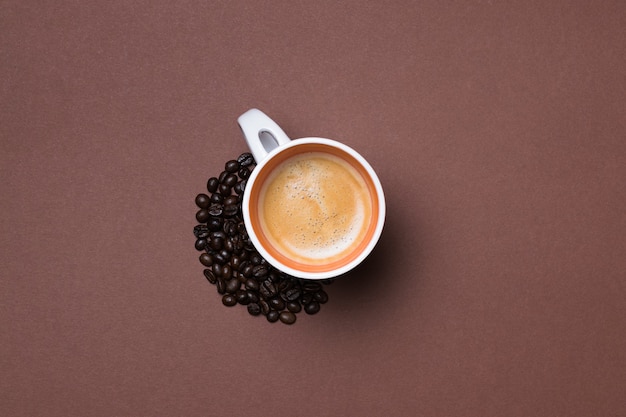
{"points": [[370, 230]]}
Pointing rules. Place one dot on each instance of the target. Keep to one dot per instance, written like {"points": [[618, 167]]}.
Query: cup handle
{"points": [[261, 133]]}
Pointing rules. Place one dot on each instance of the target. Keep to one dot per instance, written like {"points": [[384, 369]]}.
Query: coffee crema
{"points": [[315, 208]]}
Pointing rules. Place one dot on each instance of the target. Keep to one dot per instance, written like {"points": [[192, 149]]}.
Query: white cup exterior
{"points": [[254, 124]]}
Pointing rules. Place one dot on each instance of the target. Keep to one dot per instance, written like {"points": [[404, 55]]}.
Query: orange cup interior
{"points": [[255, 201]]}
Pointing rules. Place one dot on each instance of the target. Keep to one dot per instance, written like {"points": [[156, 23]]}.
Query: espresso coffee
{"points": [[315, 208]]}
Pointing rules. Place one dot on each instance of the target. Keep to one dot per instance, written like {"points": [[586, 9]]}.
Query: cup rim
{"points": [[315, 275]]}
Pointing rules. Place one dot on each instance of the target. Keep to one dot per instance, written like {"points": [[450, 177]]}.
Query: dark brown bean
{"points": [[231, 166], [253, 296], [227, 272], [321, 297], [216, 243], [291, 294], [201, 231], [206, 260], [221, 286], [265, 307], [229, 300], [277, 303], [287, 317], [260, 271], [214, 224], [202, 200], [231, 210], [242, 297], [230, 180], [232, 286], [224, 190], [210, 276], [231, 200], [212, 184], [244, 173], [272, 316], [200, 244], [252, 284], [312, 308], [245, 159], [202, 215], [254, 309], [294, 306]]}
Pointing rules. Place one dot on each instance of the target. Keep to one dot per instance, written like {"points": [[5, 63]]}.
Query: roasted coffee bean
{"points": [[254, 309], [202, 200], [229, 300], [239, 245], [267, 289], [287, 317], [201, 231], [244, 173], [242, 297], [311, 286], [224, 190], [216, 243], [277, 303], [206, 259], [321, 297], [227, 272], [306, 298], [212, 184], [232, 285], [259, 271], [245, 159], [222, 175], [231, 210], [312, 307], [229, 246], [210, 276], [218, 234], [294, 306], [219, 258], [231, 166], [230, 228], [253, 296], [256, 259], [200, 244], [247, 270], [202, 215], [272, 316], [235, 262], [291, 294], [215, 210], [230, 180], [231, 200], [217, 269], [214, 224], [274, 276], [225, 254], [284, 285], [217, 198], [240, 187], [265, 307], [252, 284], [221, 286]]}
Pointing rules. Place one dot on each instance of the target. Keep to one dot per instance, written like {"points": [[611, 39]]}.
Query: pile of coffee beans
{"points": [[240, 274]]}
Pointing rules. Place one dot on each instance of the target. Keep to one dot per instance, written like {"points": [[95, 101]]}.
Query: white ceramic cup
{"points": [[271, 149]]}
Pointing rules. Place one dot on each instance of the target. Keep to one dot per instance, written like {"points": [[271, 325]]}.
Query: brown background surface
{"points": [[498, 130]]}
